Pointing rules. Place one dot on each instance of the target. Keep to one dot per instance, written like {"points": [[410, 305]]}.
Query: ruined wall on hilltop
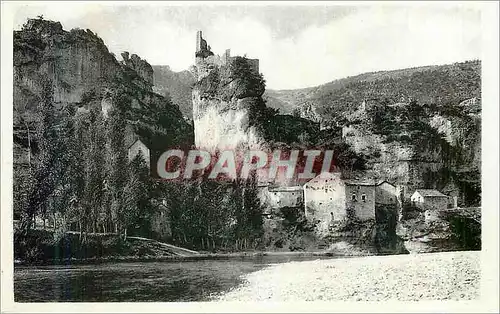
{"points": [[227, 99]]}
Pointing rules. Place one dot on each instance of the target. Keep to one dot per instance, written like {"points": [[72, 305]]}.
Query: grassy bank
{"points": [[47, 247], [44, 247]]}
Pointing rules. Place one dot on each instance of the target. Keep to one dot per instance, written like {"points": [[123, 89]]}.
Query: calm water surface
{"points": [[137, 281]]}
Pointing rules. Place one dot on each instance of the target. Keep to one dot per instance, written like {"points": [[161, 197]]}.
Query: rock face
{"points": [[176, 85], [141, 67], [226, 100], [84, 75], [75, 61], [442, 230]]}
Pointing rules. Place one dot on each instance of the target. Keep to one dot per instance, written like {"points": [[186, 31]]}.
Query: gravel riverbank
{"points": [[432, 276]]}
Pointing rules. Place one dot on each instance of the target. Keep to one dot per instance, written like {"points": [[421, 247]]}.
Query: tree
{"points": [[117, 164], [249, 212], [137, 208], [94, 173], [46, 169]]}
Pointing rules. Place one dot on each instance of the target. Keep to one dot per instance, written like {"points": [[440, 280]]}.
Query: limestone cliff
{"points": [[75, 61], [84, 75], [176, 85], [229, 111], [141, 67], [226, 101], [442, 230]]}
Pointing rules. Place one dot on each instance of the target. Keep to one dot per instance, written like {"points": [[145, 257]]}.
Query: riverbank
{"points": [[176, 258], [151, 281], [414, 277], [43, 247]]}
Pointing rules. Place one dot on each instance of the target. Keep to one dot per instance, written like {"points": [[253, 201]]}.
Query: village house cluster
{"points": [[330, 199]]}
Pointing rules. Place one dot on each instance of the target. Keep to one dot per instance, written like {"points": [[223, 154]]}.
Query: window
{"points": [[353, 197], [293, 193], [363, 198], [359, 187]]}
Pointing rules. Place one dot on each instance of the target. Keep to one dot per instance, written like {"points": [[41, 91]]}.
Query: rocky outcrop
{"points": [[229, 111], [141, 67], [83, 75], [176, 85], [75, 61], [227, 100], [442, 230]]}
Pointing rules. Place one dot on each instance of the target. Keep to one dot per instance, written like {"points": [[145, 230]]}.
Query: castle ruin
{"points": [[205, 56], [224, 99]]}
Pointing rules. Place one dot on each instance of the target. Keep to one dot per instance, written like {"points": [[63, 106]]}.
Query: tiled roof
{"points": [[382, 181], [285, 189], [360, 182]]}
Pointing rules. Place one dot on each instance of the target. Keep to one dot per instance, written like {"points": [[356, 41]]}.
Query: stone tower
{"points": [[223, 101], [202, 48]]}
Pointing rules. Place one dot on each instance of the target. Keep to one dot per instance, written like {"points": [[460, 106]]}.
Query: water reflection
{"points": [[141, 281]]}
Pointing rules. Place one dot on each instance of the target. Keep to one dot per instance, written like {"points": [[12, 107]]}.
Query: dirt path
{"points": [[432, 276], [178, 251]]}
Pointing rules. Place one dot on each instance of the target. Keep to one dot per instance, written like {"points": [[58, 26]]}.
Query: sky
{"points": [[298, 45]]}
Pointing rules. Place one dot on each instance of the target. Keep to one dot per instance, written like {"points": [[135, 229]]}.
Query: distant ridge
{"points": [[451, 83]]}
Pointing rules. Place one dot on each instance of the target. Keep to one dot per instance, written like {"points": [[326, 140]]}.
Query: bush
{"points": [[43, 245], [466, 232]]}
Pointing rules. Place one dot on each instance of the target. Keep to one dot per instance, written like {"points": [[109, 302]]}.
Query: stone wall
{"points": [[324, 198], [275, 198], [386, 193], [361, 199], [432, 203]]}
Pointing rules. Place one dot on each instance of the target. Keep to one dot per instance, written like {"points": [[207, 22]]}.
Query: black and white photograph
{"points": [[167, 153]]}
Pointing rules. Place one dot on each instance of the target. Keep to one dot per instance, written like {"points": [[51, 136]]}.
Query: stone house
{"points": [[425, 199], [328, 199], [388, 197], [386, 193], [453, 191], [273, 198]]}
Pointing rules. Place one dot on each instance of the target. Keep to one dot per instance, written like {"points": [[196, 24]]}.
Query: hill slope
{"points": [[176, 85], [443, 84]]}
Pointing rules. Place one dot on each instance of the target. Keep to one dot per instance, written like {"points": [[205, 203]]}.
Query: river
{"points": [[164, 281]]}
